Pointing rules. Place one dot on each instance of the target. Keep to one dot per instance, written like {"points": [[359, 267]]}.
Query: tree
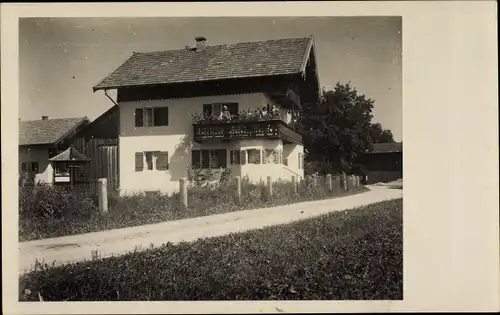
{"points": [[379, 134], [339, 129]]}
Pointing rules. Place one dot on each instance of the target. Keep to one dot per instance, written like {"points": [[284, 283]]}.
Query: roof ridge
{"points": [[222, 45], [67, 118]]}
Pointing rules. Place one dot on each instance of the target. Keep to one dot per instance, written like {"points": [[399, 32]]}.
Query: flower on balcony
{"points": [[264, 114]]}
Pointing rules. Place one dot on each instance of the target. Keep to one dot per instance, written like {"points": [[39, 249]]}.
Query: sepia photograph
{"points": [[210, 159], [247, 157]]}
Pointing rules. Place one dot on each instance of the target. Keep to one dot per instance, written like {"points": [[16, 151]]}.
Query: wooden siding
{"points": [[99, 142], [278, 85]]}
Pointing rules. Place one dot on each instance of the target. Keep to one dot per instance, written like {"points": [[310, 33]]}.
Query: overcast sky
{"points": [[60, 60]]}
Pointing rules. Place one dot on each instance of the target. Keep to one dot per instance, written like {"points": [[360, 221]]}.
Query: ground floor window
{"points": [[29, 167], [209, 158], [153, 159], [253, 156]]}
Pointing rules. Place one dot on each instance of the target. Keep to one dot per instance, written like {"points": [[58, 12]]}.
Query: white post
{"points": [[269, 186], [102, 184], [183, 192], [329, 182], [294, 184], [344, 180]]}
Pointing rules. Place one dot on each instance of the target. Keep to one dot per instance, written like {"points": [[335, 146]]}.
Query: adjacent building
{"points": [[41, 140]]}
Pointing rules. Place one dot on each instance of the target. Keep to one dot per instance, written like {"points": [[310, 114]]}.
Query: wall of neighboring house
{"points": [[176, 140], [39, 154]]}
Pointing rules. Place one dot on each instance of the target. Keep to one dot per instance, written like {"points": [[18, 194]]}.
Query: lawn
{"points": [[52, 212], [348, 255]]}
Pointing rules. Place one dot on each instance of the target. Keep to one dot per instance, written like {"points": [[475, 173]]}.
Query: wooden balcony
{"points": [[239, 130]]}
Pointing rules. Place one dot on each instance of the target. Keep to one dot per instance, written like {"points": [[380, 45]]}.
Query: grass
{"points": [[351, 255], [49, 213]]}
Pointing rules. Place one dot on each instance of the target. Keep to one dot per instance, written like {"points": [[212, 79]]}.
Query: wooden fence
{"points": [[331, 182]]}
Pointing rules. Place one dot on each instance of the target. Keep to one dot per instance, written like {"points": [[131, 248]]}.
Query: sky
{"points": [[61, 59]]}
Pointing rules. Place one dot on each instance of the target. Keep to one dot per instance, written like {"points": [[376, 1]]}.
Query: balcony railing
{"points": [[239, 127]]}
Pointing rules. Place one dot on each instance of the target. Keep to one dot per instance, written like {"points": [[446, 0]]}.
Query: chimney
{"points": [[200, 43], [45, 117]]}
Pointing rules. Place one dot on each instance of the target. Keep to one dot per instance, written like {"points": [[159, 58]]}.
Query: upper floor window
{"points": [[151, 116], [220, 110]]}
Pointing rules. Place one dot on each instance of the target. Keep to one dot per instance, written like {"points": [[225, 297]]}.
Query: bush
{"points": [[339, 256], [52, 211]]}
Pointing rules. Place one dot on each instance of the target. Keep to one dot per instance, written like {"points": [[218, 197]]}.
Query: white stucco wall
{"points": [[38, 154], [176, 139]]}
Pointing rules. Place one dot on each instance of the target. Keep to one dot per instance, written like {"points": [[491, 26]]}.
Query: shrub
{"points": [[47, 211], [339, 256]]}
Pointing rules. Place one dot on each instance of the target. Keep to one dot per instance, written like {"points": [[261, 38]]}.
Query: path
{"points": [[114, 242]]}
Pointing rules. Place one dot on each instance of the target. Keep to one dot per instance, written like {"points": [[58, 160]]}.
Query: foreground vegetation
{"points": [[47, 211], [348, 255]]}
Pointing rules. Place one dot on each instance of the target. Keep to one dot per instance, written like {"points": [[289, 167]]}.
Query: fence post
{"points": [[269, 186], [358, 181], [183, 192], [294, 184], [329, 182], [344, 180], [238, 188], [102, 184]]}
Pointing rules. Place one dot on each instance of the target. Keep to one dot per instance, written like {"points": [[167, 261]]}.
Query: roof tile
{"points": [[271, 57], [32, 132]]}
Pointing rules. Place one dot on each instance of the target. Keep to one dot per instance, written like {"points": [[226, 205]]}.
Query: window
{"points": [[268, 156], [149, 160], [301, 160], [235, 157], [218, 159], [162, 161], [209, 158], [151, 117], [277, 157], [61, 169], [253, 156], [30, 167]]}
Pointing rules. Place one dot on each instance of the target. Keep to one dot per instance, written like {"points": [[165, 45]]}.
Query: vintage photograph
{"points": [[210, 158]]}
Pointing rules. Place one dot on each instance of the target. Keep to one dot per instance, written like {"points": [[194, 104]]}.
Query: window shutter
{"points": [[34, 167], [162, 161], [265, 156], [205, 158], [23, 167], [285, 162], [243, 157], [207, 110], [139, 162], [160, 116], [195, 159], [235, 157], [139, 117], [276, 157]]}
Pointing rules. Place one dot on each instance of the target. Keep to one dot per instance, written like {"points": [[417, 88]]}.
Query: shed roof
{"points": [[49, 131], [70, 155], [249, 59]]}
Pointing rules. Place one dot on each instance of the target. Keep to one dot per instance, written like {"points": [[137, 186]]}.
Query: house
{"points": [[384, 163], [40, 140], [212, 107]]}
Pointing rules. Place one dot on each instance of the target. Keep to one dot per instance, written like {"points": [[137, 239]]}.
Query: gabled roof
{"points": [[250, 59], [389, 147], [70, 154], [50, 131]]}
